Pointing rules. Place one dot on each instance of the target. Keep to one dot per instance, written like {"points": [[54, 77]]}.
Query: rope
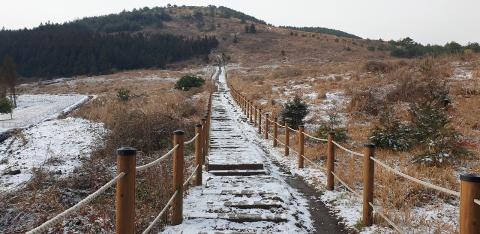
{"points": [[314, 163], [315, 138], [398, 229], [292, 129], [346, 185], [191, 176], [158, 160], [45, 226], [347, 150], [160, 214], [293, 150], [476, 201], [432, 186], [191, 140]]}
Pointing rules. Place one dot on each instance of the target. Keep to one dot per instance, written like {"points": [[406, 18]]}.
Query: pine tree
{"points": [[253, 29], [10, 78], [294, 112]]}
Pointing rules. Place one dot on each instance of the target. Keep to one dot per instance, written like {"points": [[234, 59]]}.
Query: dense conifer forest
{"points": [[99, 45]]}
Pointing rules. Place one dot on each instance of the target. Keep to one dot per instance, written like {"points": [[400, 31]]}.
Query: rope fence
{"points": [[470, 183], [45, 226], [126, 179]]}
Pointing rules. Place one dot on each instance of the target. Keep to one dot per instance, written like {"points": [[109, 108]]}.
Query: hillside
{"points": [[156, 37]]}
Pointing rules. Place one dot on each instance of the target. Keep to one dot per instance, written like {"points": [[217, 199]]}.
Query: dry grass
{"points": [[399, 85]]}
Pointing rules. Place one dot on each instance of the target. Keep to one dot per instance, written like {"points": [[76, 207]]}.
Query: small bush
{"points": [[6, 106], [392, 133], [371, 48], [189, 81], [294, 112], [123, 95], [340, 133], [377, 67]]}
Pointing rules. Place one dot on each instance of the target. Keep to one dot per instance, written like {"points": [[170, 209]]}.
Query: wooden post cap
{"points": [[470, 178], [301, 126], [126, 151], [179, 132], [198, 125], [369, 145]]}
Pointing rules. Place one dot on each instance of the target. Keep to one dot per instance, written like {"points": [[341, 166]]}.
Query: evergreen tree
{"points": [[294, 112], [253, 29], [247, 29], [10, 77]]}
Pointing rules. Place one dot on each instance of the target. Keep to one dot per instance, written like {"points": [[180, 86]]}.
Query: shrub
{"points": [[294, 112], [189, 81], [367, 102], [377, 67], [391, 133], [6, 106], [371, 48], [340, 133], [123, 95]]}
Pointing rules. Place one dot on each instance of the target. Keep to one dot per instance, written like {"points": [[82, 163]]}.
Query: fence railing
{"points": [[469, 186], [125, 180]]}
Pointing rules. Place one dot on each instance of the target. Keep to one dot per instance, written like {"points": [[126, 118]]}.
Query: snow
{"points": [[461, 74], [334, 100], [208, 207], [56, 146], [33, 109]]}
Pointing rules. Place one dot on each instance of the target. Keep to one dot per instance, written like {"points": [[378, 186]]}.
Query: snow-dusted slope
{"points": [[55, 146], [32, 109]]}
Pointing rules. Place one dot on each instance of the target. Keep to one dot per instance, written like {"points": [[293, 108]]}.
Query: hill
{"points": [[149, 38], [323, 30]]}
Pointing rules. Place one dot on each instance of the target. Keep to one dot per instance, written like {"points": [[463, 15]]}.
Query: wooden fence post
{"points": [[203, 140], [275, 132], [469, 210], [287, 139], [368, 176], [178, 167], [251, 112], [125, 191], [255, 115], [266, 125], [330, 161], [259, 121], [198, 154], [301, 146]]}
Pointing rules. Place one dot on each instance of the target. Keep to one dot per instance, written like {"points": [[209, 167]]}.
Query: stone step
{"points": [[239, 217], [252, 166], [237, 172], [267, 204]]}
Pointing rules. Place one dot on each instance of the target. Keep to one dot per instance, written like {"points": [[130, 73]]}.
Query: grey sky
{"points": [[426, 21]]}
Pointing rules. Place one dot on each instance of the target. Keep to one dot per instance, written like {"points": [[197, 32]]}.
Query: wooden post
{"points": [[198, 154], [301, 147], [259, 121], [287, 139], [330, 161], [251, 112], [125, 191], [207, 136], [469, 210], [255, 115], [203, 140], [368, 175], [178, 167], [275, 132], [266, 125]]}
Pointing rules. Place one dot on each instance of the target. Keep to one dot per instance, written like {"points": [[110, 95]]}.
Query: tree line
{"points": [[408, 48], [55, 50]]}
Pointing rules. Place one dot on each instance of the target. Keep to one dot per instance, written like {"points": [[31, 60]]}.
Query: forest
{"points": [[99, 45]]}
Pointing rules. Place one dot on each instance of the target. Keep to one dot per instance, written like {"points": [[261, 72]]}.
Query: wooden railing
{"points": [[126, 180], [469, 187]]}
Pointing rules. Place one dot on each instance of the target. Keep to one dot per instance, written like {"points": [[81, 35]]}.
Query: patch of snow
{"points": [[461, 74], [33, 109], [57, 146]]}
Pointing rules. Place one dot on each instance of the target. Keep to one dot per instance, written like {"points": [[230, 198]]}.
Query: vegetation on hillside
{"points": [[189, 81], [408, 48], [335, 32], [294, 112], [55, 50]]}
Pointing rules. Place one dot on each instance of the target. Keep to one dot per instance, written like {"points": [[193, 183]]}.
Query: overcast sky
{"points": [[426, 21]]}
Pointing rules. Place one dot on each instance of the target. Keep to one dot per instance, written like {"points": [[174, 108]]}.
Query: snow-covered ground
{"points": [[56, 146], [33, 109]]}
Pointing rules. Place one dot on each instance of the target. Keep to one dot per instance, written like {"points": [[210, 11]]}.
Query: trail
{"points": [[244, 191]]}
